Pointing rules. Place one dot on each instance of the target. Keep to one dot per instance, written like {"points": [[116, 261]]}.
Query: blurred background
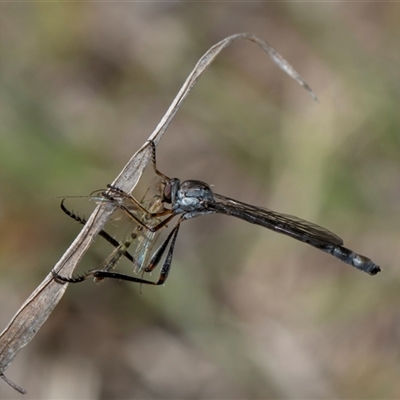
{"points": [[246, 313]]}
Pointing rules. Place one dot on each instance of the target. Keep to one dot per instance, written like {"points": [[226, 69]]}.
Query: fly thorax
{"points": [[193, 196]]}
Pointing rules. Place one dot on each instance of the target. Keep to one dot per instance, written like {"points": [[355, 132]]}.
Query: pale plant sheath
{"points": [[37, 308]]}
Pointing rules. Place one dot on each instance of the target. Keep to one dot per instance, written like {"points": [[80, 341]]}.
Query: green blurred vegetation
{"points": [[245, 313]]}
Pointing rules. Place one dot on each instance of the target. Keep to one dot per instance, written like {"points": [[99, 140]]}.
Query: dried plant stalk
{"points": [[37, 308]]}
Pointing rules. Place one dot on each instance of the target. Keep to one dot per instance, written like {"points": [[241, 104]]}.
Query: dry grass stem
{"points": [[37, 308]]}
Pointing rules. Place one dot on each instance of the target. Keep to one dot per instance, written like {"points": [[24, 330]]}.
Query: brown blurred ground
{"points": [[246, 313]]}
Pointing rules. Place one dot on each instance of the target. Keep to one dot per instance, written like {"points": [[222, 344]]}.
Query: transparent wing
{"points": [[289, 225], [144, 244], [139, 237]]}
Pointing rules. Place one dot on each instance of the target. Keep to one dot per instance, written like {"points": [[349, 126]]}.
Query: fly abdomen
{"points": [[349, 257]]}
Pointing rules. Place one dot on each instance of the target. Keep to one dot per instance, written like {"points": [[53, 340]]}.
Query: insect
{"points": [[190, 199], [143, 238]]}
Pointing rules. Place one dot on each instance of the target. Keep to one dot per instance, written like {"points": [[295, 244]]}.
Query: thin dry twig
{"points": [[37, 308]]}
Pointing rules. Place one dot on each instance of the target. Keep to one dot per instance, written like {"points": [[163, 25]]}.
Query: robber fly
{"points": [[194, 198]]}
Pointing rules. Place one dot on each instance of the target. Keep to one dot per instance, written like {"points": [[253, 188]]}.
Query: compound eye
{"points": [[167, 193]]}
